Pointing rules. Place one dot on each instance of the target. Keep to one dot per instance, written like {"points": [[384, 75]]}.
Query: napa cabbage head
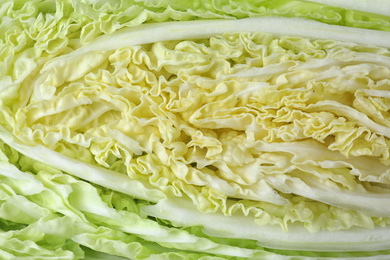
{"points": [[194, 130]]}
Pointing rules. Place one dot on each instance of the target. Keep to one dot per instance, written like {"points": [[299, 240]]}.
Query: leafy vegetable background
{"points": [[194, 130]]}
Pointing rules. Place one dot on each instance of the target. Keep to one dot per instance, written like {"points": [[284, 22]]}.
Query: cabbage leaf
{"points": [[194, 130]]}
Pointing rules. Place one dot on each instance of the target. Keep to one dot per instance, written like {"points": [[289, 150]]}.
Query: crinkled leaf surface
{"points": [[194, 130]]}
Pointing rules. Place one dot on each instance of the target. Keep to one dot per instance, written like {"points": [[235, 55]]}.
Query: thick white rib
{"points": [[149, 33]]}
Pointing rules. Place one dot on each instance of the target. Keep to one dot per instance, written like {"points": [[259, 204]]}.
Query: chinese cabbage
{"points": [[194, 129]]}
